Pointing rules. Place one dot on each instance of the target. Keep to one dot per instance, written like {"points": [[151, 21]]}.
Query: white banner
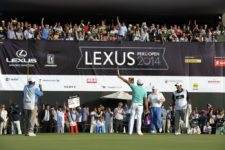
{"points": [[112, 83]]}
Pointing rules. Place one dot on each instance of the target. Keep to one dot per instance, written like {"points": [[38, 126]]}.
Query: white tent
{"points": [[118, 96]]}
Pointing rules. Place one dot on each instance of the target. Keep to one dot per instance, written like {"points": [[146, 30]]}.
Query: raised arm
{"points": [[42, 22], [120, 77], [118, 20]]}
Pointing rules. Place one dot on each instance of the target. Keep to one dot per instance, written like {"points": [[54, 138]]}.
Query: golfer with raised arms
{"points": [[139, 97]]}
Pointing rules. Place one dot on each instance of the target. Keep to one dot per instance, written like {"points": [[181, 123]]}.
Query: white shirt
{"points": [[93, 120], [60, 117], [155, 98], [28, 34], [118, 113], [47, 115], [180, 100], [4, 114], [122, 30]]}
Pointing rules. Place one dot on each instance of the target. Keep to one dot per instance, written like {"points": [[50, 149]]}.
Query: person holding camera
{"points": [[30, 99]]}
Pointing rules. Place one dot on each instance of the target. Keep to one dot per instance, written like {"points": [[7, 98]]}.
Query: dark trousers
{"points": [[46, 127], [118, 125], [53, 126], [84, 126]]}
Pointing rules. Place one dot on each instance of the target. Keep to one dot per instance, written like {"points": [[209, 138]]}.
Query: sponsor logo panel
{"points": [[50, 61], [126, 58], [219, 62], [22, 59]]}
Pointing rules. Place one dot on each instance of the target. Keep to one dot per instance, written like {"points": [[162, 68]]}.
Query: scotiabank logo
{"points": [[219, 62]]}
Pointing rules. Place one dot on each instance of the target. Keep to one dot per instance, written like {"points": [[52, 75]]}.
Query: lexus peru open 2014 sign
{"points": [[91, 66]]}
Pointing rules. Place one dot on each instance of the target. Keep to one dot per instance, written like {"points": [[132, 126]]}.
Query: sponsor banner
{"points": [[112, 83], [219, 62], [103, 58], [126, 58], [92, 66], [192, 60]]}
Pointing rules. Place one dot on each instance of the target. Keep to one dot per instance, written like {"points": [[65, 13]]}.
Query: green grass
{"points": [[112, 142]]}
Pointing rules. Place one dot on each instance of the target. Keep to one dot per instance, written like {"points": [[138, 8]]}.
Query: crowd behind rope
{"points": [[15, 29], [50, 119]]}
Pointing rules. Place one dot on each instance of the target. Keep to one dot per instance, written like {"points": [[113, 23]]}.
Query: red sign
{"points": [[219, 62], [91, 80]]}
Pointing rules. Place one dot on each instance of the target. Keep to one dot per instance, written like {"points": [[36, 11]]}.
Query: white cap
{"points": [[155, 87], [140, 82], [30, 79], [178, 84]]}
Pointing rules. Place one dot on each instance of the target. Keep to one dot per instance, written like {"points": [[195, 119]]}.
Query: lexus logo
{"points": [[21, 53]]}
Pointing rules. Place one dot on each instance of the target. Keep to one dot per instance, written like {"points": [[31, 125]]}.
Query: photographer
{"points": [[15, 119]]}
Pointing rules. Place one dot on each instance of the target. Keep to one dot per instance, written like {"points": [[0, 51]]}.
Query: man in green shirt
{"points": [[139, 96]]}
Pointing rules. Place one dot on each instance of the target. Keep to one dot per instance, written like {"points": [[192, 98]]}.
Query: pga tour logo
{"points": [[50, 61]]}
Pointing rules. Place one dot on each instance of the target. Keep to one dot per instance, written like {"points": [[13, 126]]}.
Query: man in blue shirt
{"points": [[139, 96], [30, 99]]}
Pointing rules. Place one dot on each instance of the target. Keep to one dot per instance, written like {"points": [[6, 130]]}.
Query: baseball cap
{"points": [[178, 84], [140, 82], [155, 87], [30, 80]]}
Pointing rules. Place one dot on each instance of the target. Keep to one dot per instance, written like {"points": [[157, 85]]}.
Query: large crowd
{"points": [[15, 29], [51, 119]]}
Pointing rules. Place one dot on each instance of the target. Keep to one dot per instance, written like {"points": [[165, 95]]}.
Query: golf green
{"points": [[112, 142]]}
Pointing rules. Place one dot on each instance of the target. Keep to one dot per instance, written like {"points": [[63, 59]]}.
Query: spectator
{"points": [[169, 118], [66, 119], [100, 126], [4, 119], [45, 30], [11, 33], [207, 129], [108, 120], [118, 118], [136, 34], [79, 118], [122, 29], [28, 33], [220, 122], [93, 120], [126, 118], [46, 120], [19, 34], [164, 114], [73, 120], [156, 100], [144, 34], [85, 114], [60, 120], [15, 122], [53, 120]]}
